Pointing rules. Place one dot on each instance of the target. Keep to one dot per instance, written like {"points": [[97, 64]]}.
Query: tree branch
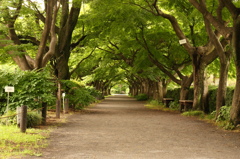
{"points": [[54, 39], [78, 65]]}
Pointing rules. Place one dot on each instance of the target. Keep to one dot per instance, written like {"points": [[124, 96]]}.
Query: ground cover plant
{"points": [[14, 143]]}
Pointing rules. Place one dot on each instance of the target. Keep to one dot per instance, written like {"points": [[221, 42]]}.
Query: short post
{"points": [[66, 106], [44, 113], [63, 102], [58, 102], [18, 116], [23, 120]]}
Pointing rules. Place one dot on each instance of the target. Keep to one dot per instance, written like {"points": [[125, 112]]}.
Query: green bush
{"points": [[78, 95], [229, 95], [33, 119], [224, 114], [31, 87], [10, 118], [142, 97], [174, 105], [175, 94], [211, 97], [95, 93]]}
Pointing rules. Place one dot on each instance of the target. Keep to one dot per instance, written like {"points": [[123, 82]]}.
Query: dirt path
{"points": [[121, 128]]}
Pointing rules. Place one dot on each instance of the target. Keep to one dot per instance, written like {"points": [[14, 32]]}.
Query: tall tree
{"points": [[54, 39], [201, 55], [229, 32], [221, 46]]}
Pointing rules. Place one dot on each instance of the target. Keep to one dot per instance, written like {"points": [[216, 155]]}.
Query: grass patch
{"points": [[15, 143], [154, 104], [196, 113]]}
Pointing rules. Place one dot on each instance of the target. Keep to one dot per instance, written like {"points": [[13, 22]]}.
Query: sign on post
{"points": [[183, 41], [8, 89]]}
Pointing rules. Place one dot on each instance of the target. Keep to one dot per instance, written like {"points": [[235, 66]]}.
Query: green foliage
{"points": [[224, 114], [78, 95], [31, 87], [155, 103], [8, 118], [174, 105], [211, 97], [175, 94], [229, 95], [33, 119], [223, 119], [142, 97], [95, 93]]}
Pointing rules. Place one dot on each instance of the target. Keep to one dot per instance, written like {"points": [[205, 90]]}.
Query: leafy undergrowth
{"points": [[15, 143]]}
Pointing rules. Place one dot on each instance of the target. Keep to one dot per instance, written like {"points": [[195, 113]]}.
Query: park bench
{"points": [[185, 105], [166, 101]]}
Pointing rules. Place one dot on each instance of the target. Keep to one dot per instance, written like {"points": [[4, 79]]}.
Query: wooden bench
{"points": [[166, 101], [185, 105]]}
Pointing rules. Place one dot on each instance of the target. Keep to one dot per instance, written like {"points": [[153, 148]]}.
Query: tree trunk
{"points": [[158, 95], [235, 111], [61, 67], [198, 71], [222, 86], [185, 86]]}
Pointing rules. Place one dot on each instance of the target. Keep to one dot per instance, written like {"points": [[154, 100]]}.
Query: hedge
{"points": [[211, 97]]}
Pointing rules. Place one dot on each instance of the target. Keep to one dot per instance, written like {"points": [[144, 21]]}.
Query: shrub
{"points": [[78, 95], [174, 105], [224, 114], [211, 97], [10, 118], [142, 97], [30, 86], [223, 119], [95, 93], [33, 119]]}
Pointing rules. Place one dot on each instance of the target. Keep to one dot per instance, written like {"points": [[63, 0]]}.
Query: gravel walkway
{"points": [[121, 128]]}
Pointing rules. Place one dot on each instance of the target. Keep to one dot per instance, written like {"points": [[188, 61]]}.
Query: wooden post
{"points": [[58, 103], [44, 113], [18, 116], [23, 120], [66, 105]]}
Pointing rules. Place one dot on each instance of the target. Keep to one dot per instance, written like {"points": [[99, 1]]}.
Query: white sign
{"points": [[9, 89], [63, 94], [183, 41]]}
